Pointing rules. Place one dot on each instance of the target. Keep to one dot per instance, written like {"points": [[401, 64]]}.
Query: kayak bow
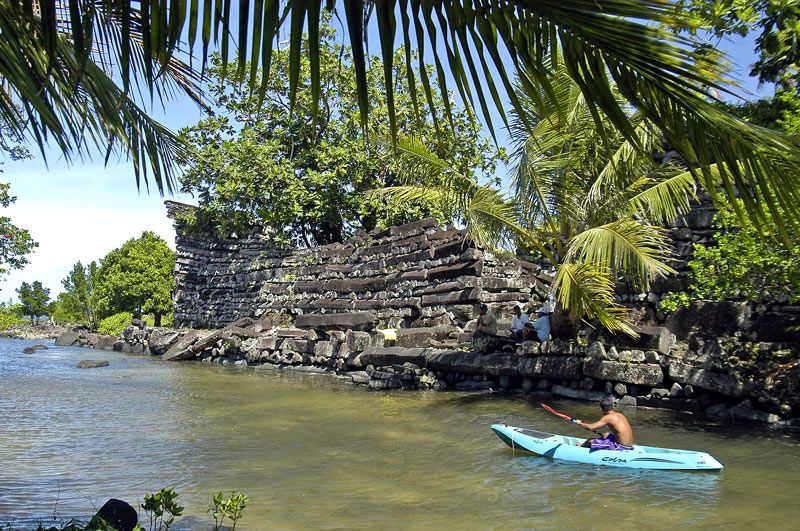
{"points": [[570, 449]]}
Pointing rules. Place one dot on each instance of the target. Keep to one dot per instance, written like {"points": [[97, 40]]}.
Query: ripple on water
{"points": [[314, 452]]}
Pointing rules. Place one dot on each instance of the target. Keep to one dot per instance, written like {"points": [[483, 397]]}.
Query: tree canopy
{"points": [[34, 298], [15, 242], [136, 277], [78, 302], [303, 171], [484, 43]]}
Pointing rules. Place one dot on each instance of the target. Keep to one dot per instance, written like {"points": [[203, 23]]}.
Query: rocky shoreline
{"points": [[721, 378], [29, 331]]}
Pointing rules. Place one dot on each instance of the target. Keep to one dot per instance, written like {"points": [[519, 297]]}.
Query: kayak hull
{"points": [[570, 449]]}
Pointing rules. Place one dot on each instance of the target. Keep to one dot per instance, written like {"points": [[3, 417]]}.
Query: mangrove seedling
{"points": [[161, 508], [230, 508]]}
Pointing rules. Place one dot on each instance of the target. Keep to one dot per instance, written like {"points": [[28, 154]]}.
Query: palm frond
{"points": [[666, 199], [585, 290], [76, 103], [625, 247], [600, 41]]}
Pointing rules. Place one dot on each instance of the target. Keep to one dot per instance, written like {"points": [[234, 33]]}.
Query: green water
{"points": [[315, 452]]}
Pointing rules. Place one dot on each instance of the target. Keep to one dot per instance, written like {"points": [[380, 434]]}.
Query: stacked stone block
{"points": [[416, 274]]}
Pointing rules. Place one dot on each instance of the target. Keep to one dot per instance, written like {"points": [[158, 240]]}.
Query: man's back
{"points": [[619, 425]]}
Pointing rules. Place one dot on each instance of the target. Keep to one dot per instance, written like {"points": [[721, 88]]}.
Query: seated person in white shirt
{"points": [[517, 330], [539, 330]]}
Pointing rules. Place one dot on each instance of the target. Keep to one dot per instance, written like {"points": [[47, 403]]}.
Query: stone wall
{"points": [[416, 274], [651, 371]]}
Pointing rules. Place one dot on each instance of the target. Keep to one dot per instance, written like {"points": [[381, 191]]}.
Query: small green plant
{"points": [[161, 508], [230, 508], [674, 301], [115, 324]]}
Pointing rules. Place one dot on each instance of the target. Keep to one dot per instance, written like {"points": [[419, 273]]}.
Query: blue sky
{"points": [[82, 211]]}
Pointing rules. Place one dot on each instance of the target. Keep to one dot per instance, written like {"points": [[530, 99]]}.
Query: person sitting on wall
{"points": [[518, 330], [487, 323], [539, 330]]}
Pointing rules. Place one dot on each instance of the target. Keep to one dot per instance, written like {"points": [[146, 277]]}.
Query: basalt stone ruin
{"points": [[393, 309]]}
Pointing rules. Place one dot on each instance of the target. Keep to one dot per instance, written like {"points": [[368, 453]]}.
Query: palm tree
{"points": [[59, 63], [484, 42], [586, 199], [593, 200]]}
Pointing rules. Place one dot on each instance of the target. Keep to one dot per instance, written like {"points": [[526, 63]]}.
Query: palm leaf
{"points": [[626, 247], [585, 290]]}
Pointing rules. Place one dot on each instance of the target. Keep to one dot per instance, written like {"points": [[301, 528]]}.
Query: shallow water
{"points": [[315, 452]]}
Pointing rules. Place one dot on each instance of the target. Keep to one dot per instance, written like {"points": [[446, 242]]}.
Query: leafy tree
{"points": [[591, 207], [305, 175], [10, 314], [15, 242], [77, 303], [34, 298], [778, 21], [136, 278], [744, 262]]}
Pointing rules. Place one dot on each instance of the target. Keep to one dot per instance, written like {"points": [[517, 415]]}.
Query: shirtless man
{"points": [[621, 436]]}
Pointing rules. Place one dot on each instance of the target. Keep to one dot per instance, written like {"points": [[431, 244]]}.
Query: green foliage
{"points": [[746, 262], [231, 508], [778, 21], [161, 508], [114, 324], [303, 173], [673, 302], [34, 298], [780, 112], [136, 278], [77, 303], [592, 201], [10, 315], [15, 242]]}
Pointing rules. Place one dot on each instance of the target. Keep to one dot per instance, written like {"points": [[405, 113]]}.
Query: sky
{"points": [[82, 211]]}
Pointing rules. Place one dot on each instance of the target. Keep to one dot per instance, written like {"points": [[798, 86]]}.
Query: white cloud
{"points": [[77, 214]]}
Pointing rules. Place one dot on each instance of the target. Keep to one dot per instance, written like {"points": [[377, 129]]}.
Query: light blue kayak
{"points": [[569, 448]]}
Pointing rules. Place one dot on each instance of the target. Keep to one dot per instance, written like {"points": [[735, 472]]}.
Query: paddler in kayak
{"points": [[621, 436]]}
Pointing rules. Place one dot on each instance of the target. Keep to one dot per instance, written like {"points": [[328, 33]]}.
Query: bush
{"points": [[10, 315], [114, 325], [166, 320], [746, 262]]}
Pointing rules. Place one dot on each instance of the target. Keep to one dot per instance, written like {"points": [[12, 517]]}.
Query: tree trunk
{"points": [[156, 319]]}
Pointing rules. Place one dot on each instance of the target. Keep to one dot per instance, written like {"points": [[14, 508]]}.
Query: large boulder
{"points": [[455, 361], [648, 374], [162, 339], [67, 339], [91, 364], [711, 318], [777, 326], [422, 336], [706, 379], [115, 514], [106, 342], [559, 367], [336, 321], [384, 356], [181, 349], [657, 338]]}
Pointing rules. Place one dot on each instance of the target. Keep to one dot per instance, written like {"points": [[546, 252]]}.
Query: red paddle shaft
{"points": [[567, 417]]}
